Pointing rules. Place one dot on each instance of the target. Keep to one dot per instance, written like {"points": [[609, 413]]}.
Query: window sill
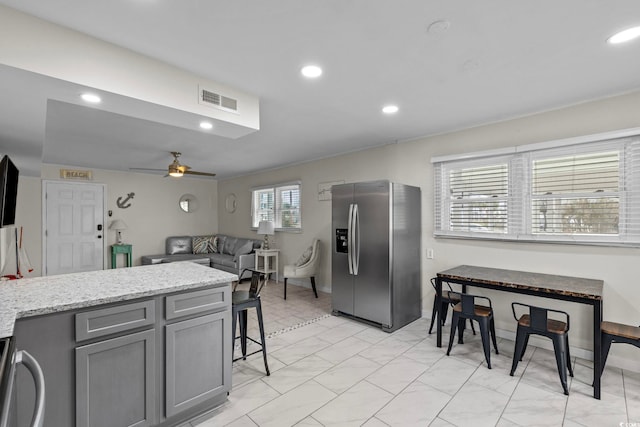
{"points": [[281, 230], [499, 238]]}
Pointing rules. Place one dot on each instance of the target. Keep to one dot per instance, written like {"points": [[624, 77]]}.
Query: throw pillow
{"points": [[229, 245], [178, 245], [305, 257], [204, 244], [220, 239], [243, 250]]}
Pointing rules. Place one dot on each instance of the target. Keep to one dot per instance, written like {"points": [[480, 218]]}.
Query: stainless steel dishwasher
{"points": [[9, 360]]}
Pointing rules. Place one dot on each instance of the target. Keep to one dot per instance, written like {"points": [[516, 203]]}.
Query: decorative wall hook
{"points": [[122, 204]]}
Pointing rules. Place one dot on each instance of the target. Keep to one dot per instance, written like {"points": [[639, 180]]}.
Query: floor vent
{"points": [[213, 99]]}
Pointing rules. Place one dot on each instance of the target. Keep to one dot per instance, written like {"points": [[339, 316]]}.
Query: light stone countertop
{"points": [[44, 295]]}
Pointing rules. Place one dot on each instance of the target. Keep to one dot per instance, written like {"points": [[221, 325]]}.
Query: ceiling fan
{"points": [[176, 169]]}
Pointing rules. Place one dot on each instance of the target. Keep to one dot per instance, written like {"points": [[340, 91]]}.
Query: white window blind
{"points": [[289, 202], [478, 198], [576, 194], [280, 204], [264, 206], [581, 193]]}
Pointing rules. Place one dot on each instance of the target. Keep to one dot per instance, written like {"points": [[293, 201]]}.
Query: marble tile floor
{"points": [[280, 315], [337, 372]]}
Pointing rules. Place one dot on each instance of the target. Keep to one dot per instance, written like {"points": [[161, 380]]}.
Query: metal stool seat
{"points": [[241, 302], [467, 309], [448, 298], [538, 323], [617, 332]]}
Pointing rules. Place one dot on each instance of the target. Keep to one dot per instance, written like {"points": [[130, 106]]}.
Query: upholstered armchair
{"points": [[306, 266]]}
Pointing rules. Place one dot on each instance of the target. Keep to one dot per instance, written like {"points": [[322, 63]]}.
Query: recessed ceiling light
{"points": [[91, 98], [206, 125], [438, 27], [311, 71], [390, 109], [625, 36]]}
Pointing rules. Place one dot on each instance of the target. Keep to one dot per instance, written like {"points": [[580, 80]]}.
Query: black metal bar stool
{"points": [[617, 332], [447, 299], [468, 309], [242, 301], [538, 323]]}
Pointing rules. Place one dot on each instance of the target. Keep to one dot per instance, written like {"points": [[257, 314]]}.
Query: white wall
{"points": [[409, 163], [153, 215], [32, 44], [28, 216]]}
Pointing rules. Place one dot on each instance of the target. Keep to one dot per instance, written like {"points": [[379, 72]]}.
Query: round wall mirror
{"points": [[230, 203], [189, 203]]}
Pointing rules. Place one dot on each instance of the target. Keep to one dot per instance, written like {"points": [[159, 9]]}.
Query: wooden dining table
{"points": [[565, 288]]}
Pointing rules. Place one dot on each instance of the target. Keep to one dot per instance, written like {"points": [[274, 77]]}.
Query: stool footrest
{"points": [[249, 354], [252, 340]]}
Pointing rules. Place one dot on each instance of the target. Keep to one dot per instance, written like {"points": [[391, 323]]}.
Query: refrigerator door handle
{"points": [[29, 362], [356, 240], [350, 239]]}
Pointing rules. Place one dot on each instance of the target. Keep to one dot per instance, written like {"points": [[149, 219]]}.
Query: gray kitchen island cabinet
{"points": [[115, 376], [154, 361], [197, 348], [115, 382], [195, 361]]}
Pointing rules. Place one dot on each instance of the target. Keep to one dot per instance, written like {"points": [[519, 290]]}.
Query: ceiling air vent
{"points": [[212, 99]]}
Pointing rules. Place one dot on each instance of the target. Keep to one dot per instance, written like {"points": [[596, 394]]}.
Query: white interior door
{"points": [[73, 219]]}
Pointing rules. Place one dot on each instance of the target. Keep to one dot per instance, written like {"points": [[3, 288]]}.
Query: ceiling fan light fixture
{"points": [[175, 171]]}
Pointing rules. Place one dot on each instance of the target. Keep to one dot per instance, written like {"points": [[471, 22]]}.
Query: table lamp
{"points": [[267, 228], [118, 225]]}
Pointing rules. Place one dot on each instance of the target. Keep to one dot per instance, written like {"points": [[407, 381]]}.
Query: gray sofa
{"points": [[232, 254]]}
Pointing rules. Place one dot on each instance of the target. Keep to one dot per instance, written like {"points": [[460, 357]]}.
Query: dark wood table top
{"points": [[544, 283]]}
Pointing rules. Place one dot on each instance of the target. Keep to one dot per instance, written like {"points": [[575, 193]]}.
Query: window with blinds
{"points": [[478, 198], [577, 192], [280, 204], [264, 205], [289, 202]]}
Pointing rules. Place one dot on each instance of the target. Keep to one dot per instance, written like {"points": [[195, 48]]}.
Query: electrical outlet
{"points": [[429, 253]]}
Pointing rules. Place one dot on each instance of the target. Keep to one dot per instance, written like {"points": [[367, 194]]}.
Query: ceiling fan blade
{"points": [[188, 172], [148, 169], [175, 167]]}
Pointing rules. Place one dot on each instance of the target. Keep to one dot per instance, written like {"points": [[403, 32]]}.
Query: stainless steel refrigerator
{"points": [[375, 265]]}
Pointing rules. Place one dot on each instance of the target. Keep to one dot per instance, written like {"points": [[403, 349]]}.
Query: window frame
{"points": [[448, 202], [520, 200], [276, 190]]}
